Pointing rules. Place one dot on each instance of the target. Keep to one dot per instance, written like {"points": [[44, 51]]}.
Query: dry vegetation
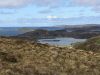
{"points": [[92, 44], [18, 57]]}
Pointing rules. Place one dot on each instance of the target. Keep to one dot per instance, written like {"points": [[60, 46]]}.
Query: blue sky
{"points": [[48, 12]]}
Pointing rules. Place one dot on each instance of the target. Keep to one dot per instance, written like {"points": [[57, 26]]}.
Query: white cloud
{"points": [[51, 17], [87, 2], [50, 3], [18, 3], [95, 4], [13, 3]]}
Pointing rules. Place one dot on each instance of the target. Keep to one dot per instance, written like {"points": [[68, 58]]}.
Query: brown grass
{"points": [[26, 58], [92, 44]]}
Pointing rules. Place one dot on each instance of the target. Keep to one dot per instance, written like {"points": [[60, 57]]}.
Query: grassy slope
{"points": [[18, 57], [92, 44]]}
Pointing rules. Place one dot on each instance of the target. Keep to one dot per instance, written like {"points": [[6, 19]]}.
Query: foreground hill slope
{"points": [[92, 44], [18, 57]]}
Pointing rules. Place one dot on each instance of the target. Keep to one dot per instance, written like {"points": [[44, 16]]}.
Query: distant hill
{"points": [[74, 32], [77, 31], [77, 26]]}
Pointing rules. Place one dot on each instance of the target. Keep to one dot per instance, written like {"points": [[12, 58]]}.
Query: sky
{"points": [[37, 13]]}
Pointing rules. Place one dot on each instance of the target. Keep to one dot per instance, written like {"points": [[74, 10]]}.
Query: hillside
{"points": [[80, 32], [20, 57], [92, 44]]}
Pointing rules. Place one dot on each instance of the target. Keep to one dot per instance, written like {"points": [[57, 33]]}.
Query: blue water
{"points": [[9, 31], [61, 41]]}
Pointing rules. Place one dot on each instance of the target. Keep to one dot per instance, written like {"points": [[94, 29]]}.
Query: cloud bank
{"points": [[19, 3], [87, 2], [95, 4], [13, 3], [51, 3]]}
